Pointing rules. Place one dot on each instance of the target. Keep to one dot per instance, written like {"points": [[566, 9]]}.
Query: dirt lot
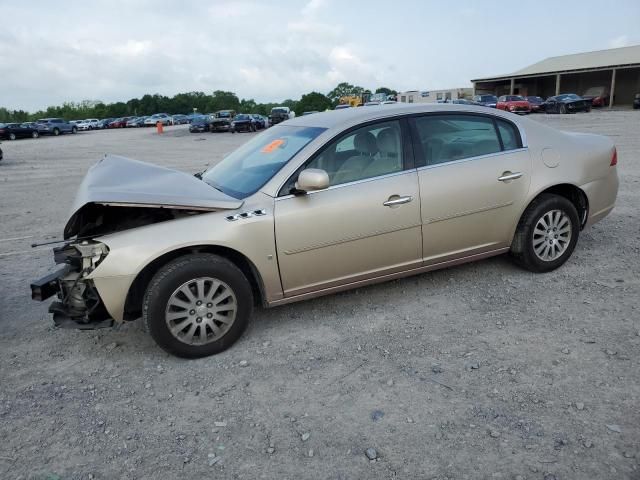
{"points": [[480, 371]]}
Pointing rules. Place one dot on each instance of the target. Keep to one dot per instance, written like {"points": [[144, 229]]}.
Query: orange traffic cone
{"points": [[159, 127]]}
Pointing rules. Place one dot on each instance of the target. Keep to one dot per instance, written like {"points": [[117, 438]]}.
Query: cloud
{"points": [[617, 42]]}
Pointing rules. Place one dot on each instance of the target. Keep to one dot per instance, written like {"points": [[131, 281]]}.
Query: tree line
{"points": [[186, 103]]}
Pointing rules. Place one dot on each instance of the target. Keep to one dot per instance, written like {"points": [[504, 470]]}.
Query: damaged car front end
{"points": [[78, 303], [118, 194]]}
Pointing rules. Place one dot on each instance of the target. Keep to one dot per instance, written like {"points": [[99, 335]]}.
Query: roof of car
{"points": [[352, 116]]}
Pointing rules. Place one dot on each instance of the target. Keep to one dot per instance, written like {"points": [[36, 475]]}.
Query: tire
{"points": [[166, 291], [35, 134], [562, 109], [74, 130], [12, 136], [56, 132], [529, 244]]}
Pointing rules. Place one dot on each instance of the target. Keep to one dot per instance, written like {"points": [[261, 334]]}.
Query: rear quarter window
{"points": [[510, 136]]}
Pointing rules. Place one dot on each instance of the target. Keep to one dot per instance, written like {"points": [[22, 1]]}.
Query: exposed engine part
{"points": [[97, 219], [78, 298]]}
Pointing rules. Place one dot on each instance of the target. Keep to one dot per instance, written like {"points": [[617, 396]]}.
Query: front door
{"points": [[473, 182], [366, 224]]}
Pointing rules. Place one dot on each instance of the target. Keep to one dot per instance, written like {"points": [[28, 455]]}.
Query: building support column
{"points": [[558, 84], [474, 89], [612, 91], [511, 86]]}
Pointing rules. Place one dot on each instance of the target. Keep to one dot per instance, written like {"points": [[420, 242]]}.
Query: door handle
{"points": [[397, 201], [506, 176]]}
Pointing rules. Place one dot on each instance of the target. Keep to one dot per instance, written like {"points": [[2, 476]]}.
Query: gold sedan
{"points": [[319, 204]]}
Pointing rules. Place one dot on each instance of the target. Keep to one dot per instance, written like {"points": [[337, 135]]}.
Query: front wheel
{"points": [[74, 130], [12, 136], [35, 134], [197, 305], [546, 234], [563, 109]]}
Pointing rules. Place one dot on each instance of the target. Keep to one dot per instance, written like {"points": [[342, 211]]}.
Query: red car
{"points": [[514, 103], [599, 96], [120, 122]]}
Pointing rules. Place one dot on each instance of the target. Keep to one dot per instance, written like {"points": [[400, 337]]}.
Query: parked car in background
{"points": [[464, 101], [261, 122], [104, 123], [120, 122], [537, 103], [200, 124], [221, 120], [136, 122], [13, 131], [36, 126], [280, 114], [179, 119], [486, 100], [243, 122], [158, 117], [275, 222], [513, 104], [567, 103], [56, 126], [636, 101], [88, 124], [598, 96]]}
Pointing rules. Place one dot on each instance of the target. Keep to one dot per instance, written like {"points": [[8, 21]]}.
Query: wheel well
{"points": [[133, 303], [575, 195]]}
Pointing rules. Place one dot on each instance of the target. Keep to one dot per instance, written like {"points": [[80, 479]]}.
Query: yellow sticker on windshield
{"points": [[272, 146]]}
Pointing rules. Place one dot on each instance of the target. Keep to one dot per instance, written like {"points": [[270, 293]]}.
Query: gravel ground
{"points": [[479, 371]]}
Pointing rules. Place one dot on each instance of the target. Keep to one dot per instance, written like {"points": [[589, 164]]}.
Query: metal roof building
{"points": [[616, 69]]}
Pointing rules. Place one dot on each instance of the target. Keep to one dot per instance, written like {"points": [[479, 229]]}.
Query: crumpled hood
{"points": [[121, 181]]}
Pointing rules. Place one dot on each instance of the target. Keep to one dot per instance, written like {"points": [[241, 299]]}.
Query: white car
{"points": [[88, 124], [159, 117]]}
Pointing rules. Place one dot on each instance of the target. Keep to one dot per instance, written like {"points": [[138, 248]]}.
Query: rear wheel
{"points": [[35, 134], [562, 109], [197, 305], [56, 132], [12, 136], [74, 130], [546, 234]]}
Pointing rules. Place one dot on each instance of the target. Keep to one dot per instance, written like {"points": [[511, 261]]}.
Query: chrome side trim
{"points": [[348, 184], [350, 239], [470, 159], [470, 212], [383, 278]]}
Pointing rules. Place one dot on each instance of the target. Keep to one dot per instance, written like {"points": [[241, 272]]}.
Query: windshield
{"points": [[279, 110], [242, 117], [224, 114], [246, 170], [488, 98]]}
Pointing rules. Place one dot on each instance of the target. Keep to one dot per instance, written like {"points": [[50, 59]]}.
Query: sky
{"points": [[53, 52]]}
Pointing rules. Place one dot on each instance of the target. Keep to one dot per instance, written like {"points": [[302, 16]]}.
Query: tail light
{"points": [[614, 158]]}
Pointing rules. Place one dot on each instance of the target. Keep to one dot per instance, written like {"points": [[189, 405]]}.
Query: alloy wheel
{"points": [[552, 235], [201, 311]]}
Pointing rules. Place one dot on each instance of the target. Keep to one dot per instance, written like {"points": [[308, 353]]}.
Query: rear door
{"points": [[474, 174], [365, 225]]}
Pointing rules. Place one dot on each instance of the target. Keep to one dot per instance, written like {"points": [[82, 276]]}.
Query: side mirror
{"points": [[312, 179]]}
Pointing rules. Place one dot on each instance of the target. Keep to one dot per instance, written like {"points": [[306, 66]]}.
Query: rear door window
{"points": [[447, 138]]}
